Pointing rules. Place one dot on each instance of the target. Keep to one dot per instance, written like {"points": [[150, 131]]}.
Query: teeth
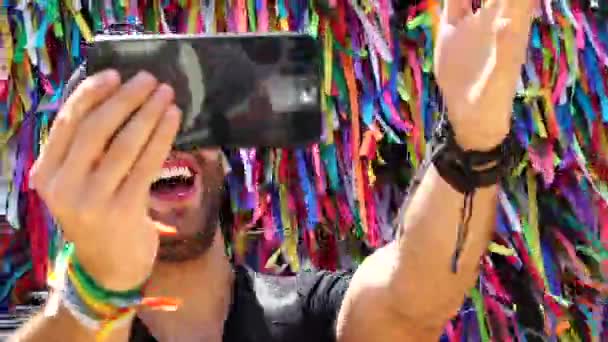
{"points": [[170, 172]]}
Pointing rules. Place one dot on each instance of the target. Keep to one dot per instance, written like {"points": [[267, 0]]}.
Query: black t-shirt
{"points": [[281, 309]]}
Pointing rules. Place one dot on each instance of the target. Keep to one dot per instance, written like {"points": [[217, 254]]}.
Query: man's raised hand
{"points": [[105, 147], [478, 60]]}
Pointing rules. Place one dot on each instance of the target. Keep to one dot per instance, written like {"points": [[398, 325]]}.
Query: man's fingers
{"points": [[511, 52], [96, 131], [127, 145], [456, 10], [520, 13], [87, 95], [513, 38], [491, 14], [137, 184]]}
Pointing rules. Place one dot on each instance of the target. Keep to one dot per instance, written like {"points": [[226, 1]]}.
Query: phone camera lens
{"points": [[308, 92]]}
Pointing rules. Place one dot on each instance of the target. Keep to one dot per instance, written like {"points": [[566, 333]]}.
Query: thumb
{"points": [[513, 38], [456, 10], [521, 13], [491, 15]]}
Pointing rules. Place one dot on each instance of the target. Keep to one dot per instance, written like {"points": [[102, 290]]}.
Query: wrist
{"points": [[96, 307], [111, 278], [478, 142], [471, 136], [469, 168], [470, 163]]}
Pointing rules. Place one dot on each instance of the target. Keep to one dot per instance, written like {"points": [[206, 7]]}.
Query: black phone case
{"points": [[234, 90]]}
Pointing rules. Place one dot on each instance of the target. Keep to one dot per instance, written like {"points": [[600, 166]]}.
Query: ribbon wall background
{"points": [[329, 205]]}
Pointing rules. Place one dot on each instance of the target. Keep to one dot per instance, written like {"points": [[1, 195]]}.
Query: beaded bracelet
{"points": [[93, 306]]}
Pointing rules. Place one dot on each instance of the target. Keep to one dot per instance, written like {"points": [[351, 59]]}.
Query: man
{"points": [[96, 171]]}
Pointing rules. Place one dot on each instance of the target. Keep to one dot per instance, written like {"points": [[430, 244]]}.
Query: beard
{"points": [[185, 248]]}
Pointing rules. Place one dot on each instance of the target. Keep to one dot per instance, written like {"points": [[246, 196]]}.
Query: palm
{"points": [[477, 63], [464, 52]]}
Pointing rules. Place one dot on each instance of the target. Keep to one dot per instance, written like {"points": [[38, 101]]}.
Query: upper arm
{"points": [[370, 310]]}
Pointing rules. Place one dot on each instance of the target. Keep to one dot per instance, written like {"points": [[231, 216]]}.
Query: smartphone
{"points": [[235, 90]]}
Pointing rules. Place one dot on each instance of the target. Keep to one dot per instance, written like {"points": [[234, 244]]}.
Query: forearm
{"points": [[426, 242], [62, 327]]}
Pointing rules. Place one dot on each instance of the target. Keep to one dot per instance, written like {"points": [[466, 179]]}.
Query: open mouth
{"points": [[176, 181]]}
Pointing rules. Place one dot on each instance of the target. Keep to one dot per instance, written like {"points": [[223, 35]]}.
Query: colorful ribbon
{"points": [[547, 267]]}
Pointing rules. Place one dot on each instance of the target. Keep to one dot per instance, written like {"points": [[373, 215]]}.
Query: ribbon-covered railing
{"points": [[545, 274]]}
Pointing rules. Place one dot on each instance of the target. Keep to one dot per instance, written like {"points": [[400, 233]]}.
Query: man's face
{"points": [[187, 196]]}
